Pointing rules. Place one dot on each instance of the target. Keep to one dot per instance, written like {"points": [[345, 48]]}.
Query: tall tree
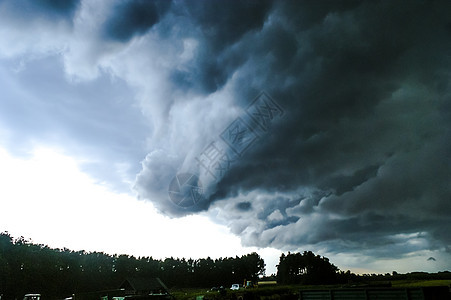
{"points": [[306, 268]]}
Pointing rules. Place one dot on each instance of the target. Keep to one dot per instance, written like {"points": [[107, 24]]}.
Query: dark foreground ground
{"points": [[402, 289]]}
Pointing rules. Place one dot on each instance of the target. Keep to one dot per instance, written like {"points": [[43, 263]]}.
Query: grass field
{"points": [[269, 291], [421, 283]]}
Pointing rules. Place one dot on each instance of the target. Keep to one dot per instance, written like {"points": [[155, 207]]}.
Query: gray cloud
{"points": [[130, 18], [218, 28], [366, 134], [24, 14], [102, 128], [359, 162], [42, 8]]}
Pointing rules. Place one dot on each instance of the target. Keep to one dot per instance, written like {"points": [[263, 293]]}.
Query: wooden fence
{"points": [[423, 293]]}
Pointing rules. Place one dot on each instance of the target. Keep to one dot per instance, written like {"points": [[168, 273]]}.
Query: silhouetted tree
{"points": [[306, 268]]}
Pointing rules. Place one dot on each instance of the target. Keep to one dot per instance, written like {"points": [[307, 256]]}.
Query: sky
{"points": [[218, 128]]}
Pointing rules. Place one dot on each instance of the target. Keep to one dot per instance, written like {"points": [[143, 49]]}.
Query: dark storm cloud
{"points": [[134, 17], [62, 7], [359, 162], [223, 25], [363, 150], [220, 26], [244, 206], [45, 8]]}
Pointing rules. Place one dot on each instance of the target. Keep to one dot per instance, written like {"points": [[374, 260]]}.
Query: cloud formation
{"points": [[360, 161], [361, 156], [130, 18]]}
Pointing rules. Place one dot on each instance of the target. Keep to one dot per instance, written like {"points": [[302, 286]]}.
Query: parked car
{"points": [[235, 286], [32, 297]]}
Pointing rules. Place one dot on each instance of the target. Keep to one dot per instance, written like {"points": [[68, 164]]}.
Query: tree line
{"points": [[26, 267], [309, 269]]}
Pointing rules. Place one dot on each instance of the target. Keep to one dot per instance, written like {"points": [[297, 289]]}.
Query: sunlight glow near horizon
{"points": [[100, 111], [51, 202]]}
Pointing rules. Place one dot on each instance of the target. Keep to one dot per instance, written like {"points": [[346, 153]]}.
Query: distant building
{"points": [[136, 289], [143, 287]]}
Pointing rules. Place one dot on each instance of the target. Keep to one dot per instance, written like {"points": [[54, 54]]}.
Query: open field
{"points": [[287, 291], [421, 283]]}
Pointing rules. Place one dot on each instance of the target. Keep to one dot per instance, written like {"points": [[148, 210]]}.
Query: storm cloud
{"points": [[359, 162], [130, 18], [362, 155]]}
